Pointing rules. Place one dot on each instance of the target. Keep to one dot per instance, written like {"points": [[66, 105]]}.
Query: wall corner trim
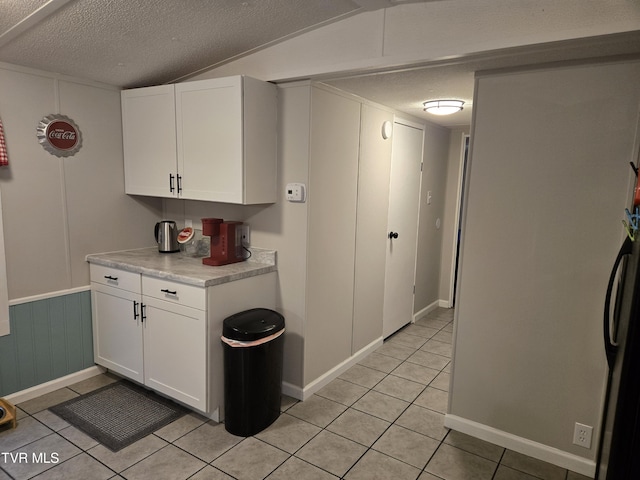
{"points": [[562, 459]]}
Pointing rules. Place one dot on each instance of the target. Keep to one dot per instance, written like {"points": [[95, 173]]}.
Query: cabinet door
{"points": [[210, 139], [149, 141], [175, 356], [117, 332]]}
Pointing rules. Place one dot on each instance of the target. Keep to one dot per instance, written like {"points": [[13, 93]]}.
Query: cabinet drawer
{"points": [[115, 278], [180, 293]]}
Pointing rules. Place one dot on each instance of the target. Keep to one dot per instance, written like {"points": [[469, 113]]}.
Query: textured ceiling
{"points": [[408, 88], [13, 11], [131, 43]]}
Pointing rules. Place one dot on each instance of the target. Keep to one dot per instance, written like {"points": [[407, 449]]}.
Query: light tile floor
{"points": [[381, 419]]}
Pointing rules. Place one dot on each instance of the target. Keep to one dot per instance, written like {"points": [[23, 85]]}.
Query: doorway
{"points": [[456, 248], [402, 223]]}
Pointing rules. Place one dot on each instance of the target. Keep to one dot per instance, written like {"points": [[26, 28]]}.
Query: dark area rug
{"points": [[119, 414]]}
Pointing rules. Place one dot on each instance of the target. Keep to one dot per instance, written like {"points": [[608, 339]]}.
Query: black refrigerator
{"points": [[619, 448]]}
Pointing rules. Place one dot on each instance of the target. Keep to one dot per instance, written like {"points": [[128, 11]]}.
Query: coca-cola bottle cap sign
{"points": [[59, 135]]}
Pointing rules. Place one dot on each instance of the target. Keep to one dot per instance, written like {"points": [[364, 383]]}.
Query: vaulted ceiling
{"points": [[130, 43]]}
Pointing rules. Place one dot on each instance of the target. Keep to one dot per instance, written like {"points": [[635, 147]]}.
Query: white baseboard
{"points": [[306, 392], [38, 390], [521, 445], [426, 310]]}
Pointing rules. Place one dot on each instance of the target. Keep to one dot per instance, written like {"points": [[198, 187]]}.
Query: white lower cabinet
{"points": [[117, 330], [175, 356], [165, 334]]}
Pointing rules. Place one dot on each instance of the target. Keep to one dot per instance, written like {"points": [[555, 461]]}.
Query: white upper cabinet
{"points": [[149, 139], [212, 140]]}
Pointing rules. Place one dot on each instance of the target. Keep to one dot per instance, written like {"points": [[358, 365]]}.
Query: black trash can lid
{"points": [[252, 324]]}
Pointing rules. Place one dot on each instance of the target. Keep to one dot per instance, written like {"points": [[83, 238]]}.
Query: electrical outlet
{"points": [[582, 435]]}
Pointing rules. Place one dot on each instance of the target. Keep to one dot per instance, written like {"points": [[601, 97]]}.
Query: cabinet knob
{"points": [[393, 235]]}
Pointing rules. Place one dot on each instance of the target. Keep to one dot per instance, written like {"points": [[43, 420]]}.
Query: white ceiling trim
{"points": [[379, 4], [31, 20]]}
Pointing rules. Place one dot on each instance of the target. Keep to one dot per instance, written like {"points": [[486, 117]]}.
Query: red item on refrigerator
{"points": [[4, 157]]}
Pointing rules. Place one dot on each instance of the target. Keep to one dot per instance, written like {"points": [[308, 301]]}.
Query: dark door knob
{"points": [[393, 234]]}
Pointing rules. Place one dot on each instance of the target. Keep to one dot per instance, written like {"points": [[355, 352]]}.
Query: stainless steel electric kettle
{"points": [[166, 234]]}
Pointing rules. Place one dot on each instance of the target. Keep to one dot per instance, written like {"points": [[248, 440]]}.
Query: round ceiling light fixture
{"points": [[443, 107]]}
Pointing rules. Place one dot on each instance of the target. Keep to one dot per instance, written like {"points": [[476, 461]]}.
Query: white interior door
{"points": [[404, 199]]}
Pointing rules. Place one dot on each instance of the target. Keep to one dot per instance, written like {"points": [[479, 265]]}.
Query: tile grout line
{"points": [[392, 423], [350, 406], [82, 450]]}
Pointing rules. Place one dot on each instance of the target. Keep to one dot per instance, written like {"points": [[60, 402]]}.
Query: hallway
{"points": [[381, 419]]}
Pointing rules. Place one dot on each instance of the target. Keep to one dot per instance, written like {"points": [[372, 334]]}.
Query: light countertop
{"points": [[182, 268]]}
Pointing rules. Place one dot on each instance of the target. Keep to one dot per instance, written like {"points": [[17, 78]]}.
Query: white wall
{"points": [[431, 225], [284, 225], [331, 249], [548, 184], [58, 210], [431, 31], [281, 226], [333, 188]]}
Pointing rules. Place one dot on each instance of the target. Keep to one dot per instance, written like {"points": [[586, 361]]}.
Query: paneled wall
{"points": [[333, 182], [50, 338], [55, 211], [331, 249], [374, 168]]}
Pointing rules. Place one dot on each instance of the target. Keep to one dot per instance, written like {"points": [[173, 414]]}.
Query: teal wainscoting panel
{"points": [[49, 339]]}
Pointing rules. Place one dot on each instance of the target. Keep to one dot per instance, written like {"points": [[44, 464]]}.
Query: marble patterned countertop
{"points": [[183, 268]]}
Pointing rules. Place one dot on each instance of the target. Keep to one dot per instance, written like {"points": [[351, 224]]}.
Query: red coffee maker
{"points": [[226, 241]]}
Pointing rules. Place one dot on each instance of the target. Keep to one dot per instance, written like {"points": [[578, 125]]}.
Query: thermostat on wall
{"points": [[296, 192]]}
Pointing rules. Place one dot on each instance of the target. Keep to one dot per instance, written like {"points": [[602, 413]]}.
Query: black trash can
{"points": [[253, 344]]}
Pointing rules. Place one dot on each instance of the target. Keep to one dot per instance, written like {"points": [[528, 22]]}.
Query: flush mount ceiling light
{"points": [[443, 107]]}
